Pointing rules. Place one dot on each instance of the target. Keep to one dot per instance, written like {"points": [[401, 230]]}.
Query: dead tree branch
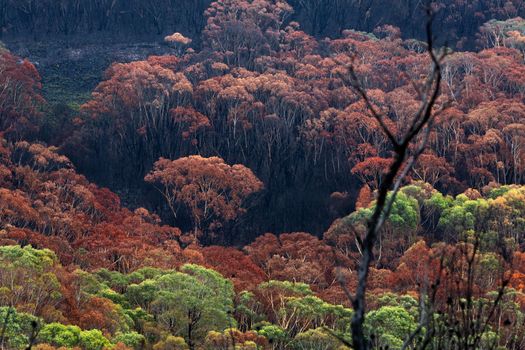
{"points": [[401, 165]]}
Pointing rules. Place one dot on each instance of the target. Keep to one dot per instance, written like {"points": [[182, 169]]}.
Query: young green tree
{"points": [[188, 303], [317, 339], [28, 280]]}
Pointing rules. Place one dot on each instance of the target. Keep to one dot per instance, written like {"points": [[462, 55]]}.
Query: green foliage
{"points": [[27, 278], [420, 191], [490, 220], [505, 28], [132, 339], [390, 325], [407, 302], [295, 308], [273, 333], [460, 218], [159, 308], [89, 283], [405, 212], [359, 218], [171, 343], [196, 297], [198, 290], [113, 279], [60, 335], [499, 191], [115, 297], [93, 339], [400, 228], [125, 320], [246, 308], [286, 287], [138, 316], [317, 311], [27, 257], [144, 274], [438, 202], [18, 327], [142, 294], [316, 339]]}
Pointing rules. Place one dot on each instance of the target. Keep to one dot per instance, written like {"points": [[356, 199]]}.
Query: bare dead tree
{"points": [[415, 137]]}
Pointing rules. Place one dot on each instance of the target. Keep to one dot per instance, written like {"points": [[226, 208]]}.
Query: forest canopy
{"points": [[303, 174]]}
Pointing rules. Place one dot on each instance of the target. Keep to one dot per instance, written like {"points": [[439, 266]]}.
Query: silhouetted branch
{"points": [[393, 178]]}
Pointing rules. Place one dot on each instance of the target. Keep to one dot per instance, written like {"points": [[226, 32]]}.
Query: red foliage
{"points": [[298, 257], [235, 265], [45, 203], [213, 191], [19, 95], [372, 170]]}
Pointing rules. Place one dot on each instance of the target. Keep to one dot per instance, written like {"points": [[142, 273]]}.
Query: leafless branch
{"points": [[423, 120]]}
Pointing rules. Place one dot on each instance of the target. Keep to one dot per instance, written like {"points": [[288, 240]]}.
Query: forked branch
{"points": [[401, 165]]}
